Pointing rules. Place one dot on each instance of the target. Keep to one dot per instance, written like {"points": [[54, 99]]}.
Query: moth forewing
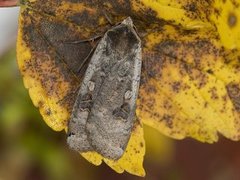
{"points": [[104, 112]]}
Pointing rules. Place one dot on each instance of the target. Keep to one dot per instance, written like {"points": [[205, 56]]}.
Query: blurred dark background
{"points": [[30, 150]]}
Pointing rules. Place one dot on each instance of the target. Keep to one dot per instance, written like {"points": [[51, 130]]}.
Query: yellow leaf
{"points": [[49, 66], [190, 75], [188, 14], [43, 74], [226, 18], [132, 159], [192, 87]]}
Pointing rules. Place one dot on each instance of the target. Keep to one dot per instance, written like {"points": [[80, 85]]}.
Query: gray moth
{"points": [[104, 111]]}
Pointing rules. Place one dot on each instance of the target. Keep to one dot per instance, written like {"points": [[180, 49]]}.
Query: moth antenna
{"points": [[107, 18], [92, 39], [86, 59]]}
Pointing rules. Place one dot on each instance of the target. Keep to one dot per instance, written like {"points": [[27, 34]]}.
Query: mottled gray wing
{"points": [[104, 111]]}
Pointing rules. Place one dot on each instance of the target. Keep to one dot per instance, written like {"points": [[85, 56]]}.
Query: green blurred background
{"points": [[30, 150]]}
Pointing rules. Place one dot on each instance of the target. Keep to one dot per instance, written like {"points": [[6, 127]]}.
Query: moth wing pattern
{"points": [[103, 115]]}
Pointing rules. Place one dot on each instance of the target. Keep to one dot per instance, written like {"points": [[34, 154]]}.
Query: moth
{"points": [[104, 111]]}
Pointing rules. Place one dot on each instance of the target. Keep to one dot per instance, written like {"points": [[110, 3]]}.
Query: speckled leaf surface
{"points": [[190, 74]]}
